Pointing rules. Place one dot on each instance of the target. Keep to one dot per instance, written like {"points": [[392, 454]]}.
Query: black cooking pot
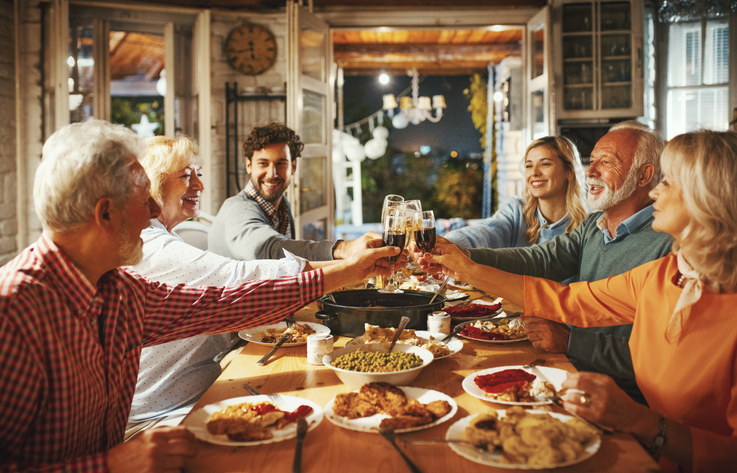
{"points": [[353, 309]]}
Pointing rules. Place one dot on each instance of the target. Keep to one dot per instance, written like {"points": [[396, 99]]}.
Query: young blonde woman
{"points": [[684, 336], [552, 202]]}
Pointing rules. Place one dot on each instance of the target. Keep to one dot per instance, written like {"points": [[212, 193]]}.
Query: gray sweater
{"points": [[583, 252], [242, 231]]}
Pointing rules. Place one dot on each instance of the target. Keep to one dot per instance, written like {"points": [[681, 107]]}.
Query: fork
{"points": [[558, 401], [389, 436], [262, 361], [536, 362]]}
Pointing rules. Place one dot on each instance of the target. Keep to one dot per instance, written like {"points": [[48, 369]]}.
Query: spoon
{"points": [[402, 323]]}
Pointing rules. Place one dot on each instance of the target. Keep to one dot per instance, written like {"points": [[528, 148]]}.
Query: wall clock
{"points": [[250, 49]]}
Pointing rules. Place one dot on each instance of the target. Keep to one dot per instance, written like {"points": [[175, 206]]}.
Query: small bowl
{"points": [[356, 379]]}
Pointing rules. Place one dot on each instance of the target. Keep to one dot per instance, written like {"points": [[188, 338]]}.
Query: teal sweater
{"points": [[583, 252]]}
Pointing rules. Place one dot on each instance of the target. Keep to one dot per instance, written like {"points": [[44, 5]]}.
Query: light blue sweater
{"points": [[506, 229]]}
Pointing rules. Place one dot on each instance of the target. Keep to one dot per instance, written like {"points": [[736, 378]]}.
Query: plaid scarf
{"points": [[278, 218]]}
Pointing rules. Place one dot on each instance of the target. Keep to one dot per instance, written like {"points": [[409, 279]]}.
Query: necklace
{"points": [[681, 280]]}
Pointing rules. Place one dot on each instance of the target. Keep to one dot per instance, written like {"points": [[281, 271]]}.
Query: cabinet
{"points": [[598, 58]]}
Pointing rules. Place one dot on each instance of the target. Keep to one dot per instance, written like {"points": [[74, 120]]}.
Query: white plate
{"points": [[455, 295], [254, 334], [455, 432], [455, 345], [459, 285], [553, 375], [471, 322], [371, 424], [197, 421]]}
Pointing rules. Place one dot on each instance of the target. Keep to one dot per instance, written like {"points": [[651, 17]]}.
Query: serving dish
{"points": [[496, 321], [371, 424], [454, 344], [347, 312], [356, 379], [468, 451]]}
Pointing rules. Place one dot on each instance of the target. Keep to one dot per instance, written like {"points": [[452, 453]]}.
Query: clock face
{"points": [[250, 49]]}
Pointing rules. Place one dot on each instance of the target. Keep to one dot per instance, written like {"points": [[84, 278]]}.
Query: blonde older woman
{"points": [[552, 203], [684, 337], [173, 376]]}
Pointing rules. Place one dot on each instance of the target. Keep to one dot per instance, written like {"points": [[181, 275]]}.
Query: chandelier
{"points": [[414, 109]]}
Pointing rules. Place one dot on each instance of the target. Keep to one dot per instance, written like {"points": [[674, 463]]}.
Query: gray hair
{"points": [[82, 163], [649, 147]]}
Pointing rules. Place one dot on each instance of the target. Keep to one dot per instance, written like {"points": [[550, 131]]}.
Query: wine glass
{"points": [[394, 233], [423, 227], [391, 202], [411, 207]]}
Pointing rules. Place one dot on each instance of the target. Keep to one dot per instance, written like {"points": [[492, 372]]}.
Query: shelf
{"points": [[616, 58], [579, 86], [616, 84]]}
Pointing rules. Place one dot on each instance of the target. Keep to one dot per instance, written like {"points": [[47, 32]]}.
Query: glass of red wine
{"points": [[394, 233], [423, 226]]}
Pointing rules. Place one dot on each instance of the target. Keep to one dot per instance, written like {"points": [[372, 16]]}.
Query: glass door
{"points": [[578, 56], [309, 106], [615, 25]]}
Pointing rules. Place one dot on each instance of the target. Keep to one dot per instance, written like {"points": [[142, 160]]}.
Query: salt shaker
{"points": [[318, 345], [438, 322]]}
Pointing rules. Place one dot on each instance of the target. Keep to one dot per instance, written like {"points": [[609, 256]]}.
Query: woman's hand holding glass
{"points": [[423, 229], [446, 258]]}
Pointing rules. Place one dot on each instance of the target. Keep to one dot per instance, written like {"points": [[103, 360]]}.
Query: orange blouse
{"points": [[693, 380]]}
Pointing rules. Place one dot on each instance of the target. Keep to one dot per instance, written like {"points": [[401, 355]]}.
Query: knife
{"points": [[301, 432], [266, 357]]}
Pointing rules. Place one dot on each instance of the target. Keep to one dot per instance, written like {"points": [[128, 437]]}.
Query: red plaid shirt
{"points": [[64, 394]]}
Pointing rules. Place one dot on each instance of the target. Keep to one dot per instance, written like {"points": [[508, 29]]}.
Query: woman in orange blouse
{"points": [[682, 307]]}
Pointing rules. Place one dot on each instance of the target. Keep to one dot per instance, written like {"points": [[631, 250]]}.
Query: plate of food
{"points": [[523, 439], [382, 406], [252, 420], [502, 330], [421, 338], [516, 385], [270, 334], [472, 311]]}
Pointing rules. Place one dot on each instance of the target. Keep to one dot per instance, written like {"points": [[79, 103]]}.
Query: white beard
{"points": [[610, 198]]}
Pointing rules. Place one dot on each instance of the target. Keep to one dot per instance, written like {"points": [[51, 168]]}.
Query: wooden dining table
{"points": [[330, 448]]}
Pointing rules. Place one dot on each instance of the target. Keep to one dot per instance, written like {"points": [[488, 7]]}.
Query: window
{"points": [[698, 76]]}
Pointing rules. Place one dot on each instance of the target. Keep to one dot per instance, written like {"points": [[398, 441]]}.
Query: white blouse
{"points": [[176, 374]]}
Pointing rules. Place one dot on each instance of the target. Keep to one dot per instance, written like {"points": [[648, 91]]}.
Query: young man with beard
{"points": [[624, 168], [257, 223]]}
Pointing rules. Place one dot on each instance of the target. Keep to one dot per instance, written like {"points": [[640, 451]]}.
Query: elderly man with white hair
{"points": [[72, 322], [618, 236]]}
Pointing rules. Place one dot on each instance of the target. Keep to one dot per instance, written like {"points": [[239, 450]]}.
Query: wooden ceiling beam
{"points": [[437, 50]]}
